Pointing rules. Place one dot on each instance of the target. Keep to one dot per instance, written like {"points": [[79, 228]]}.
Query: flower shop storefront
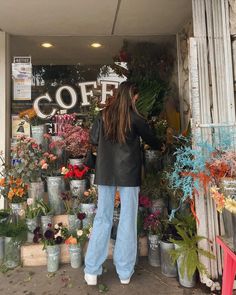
{"points": [[47, 163]]}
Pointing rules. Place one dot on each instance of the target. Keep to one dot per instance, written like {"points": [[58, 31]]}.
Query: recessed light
{"points": [[46, 45], [96, 45]]}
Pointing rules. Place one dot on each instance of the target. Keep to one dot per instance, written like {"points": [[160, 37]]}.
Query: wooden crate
{"points": [[33, 255]]}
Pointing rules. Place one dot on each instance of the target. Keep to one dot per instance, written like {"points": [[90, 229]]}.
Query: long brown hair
{"points": [[116, 116]]}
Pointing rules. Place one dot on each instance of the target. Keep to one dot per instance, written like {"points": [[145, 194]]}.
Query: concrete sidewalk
{"points": [[67, 281]]}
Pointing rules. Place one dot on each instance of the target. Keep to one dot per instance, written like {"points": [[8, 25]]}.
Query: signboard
{"points": [[19, 127], [22, 78]]}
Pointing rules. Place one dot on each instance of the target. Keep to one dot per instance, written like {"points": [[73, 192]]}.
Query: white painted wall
{"points": [[4, 97]]}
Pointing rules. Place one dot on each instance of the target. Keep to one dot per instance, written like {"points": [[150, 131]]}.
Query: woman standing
{"points": [[116, 132]]}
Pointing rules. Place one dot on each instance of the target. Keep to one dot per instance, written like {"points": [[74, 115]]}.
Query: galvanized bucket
{"points": [[89, 210], [45, 220], [77, 187], [55, 185], [154, 250], [53, 256], [73, 222], [32, 223], [184, 281], [79, 162], [75, 256], [12, 252], [167, 267], [36, 191]]}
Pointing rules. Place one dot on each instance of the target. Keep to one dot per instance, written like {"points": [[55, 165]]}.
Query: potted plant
{"points": [[76, 140], [45, 214], [26, 157], [153, 226], [55, 181], [76, 174], [75, 241], [87, 205], [168, 267], [70, 207], [187, 251], [52, 238], [14, 232]]}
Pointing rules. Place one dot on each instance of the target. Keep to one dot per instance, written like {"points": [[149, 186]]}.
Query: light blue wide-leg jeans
{"points": [[126, 242]]}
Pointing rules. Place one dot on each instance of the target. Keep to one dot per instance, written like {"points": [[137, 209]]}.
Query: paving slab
{"points": [[67, 281]]}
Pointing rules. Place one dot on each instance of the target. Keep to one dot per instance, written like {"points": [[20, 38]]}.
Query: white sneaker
{"points": [[125, 282], [91, 280]]}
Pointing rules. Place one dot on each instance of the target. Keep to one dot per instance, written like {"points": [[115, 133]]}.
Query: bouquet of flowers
{"points": [[76, 140], [14, 189], [222, 201], [89, 196], [78, 237], [49, 164], [26, 157], [53, 236], [74, 172], [152, 223]]}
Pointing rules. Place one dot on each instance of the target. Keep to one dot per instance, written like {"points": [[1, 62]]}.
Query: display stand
{"points": [[229, 267]]}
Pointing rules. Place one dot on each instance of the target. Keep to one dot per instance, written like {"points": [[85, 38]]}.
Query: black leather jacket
{"points": [[120, 164]]}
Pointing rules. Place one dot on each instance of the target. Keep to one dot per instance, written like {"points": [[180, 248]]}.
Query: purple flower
{"points": [[49, 234], [59, 240]]}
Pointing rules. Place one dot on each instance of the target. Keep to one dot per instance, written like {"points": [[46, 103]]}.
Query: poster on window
{"points": [[22, 78], [19, 127]]}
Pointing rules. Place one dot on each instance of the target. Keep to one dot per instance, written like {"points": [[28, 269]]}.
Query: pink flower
{"points": [[45, 166], [42, 162], [30, 201], [46, 154]]}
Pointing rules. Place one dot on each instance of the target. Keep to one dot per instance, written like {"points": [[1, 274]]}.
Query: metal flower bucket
{"points": [[1, 249], [167, 267], [79, 162], [154, 250], [56, 186], [36, 191], [53, 256], [73, 222], [45, 220], [184, 281], [32, 223], [77, 187], [88, 209], [12, 252], [75, 256]]}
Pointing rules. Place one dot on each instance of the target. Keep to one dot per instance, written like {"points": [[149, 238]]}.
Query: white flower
{"points": [[58, 234], [90, 230], [56, 226], [30, 201], [79, 233]]}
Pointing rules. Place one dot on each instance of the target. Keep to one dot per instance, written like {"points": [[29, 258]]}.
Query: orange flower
{"points": [[71, 241], [2, 182], [20, 192], [10, 195], [18, 181]]}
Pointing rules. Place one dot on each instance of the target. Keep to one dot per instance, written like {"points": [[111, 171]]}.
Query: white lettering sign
{"points": [[84, 95]]}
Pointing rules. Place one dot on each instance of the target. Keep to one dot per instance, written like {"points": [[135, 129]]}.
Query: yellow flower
{"points": [[230, 205]]}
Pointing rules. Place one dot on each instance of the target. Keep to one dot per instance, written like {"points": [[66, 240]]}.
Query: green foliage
{"points": [[187, 250], [13, 229], [44, 208], [150, 185]]}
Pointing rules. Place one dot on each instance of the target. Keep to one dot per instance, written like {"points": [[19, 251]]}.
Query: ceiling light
{"points": [[46, 45], [96, 45]]}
